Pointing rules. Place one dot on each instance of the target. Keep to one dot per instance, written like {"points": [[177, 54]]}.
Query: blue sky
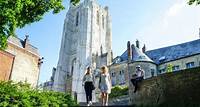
{"points": [[157, 23]]}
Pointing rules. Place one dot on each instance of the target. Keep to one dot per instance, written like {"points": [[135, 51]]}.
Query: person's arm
{"points": [[83, 81], [109, 78], [99, 81], [142, 73], [93, 79]]}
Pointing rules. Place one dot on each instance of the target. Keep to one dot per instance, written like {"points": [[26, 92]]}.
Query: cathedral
{"points": [[86, 41]]}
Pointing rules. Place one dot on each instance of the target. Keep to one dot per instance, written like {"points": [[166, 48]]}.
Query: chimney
{"points": [[129, 50], [26, 41], [132, 53], [137, 44], [144, 49]]}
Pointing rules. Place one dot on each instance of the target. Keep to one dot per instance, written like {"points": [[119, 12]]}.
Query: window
{"points": [[152, 72], [121, 72], [190, 65], [97, 17], [68, 74], [102, 21], [77, 17], [113, 74], [161, 71], [175, 68], [72, 66]]}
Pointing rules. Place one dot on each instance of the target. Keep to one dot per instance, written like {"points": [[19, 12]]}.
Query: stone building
{"points": [[122, 68], [48, 85], [20, 61], [154, 62], [179, 57], [86, 41]]}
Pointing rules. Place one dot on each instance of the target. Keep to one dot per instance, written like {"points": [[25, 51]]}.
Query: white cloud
{"points": [[179, 23], [175, 9]]}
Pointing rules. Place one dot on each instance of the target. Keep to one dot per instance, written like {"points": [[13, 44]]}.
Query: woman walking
{"points": [[88, 83], [104, 85]]}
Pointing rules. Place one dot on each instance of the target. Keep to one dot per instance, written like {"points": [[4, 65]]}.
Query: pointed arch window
{"points": [[73, 65], [102, 21], [77, 18], [97, 17]]}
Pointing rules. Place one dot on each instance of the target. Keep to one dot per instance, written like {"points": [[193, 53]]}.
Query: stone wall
{"points": [[6, 62], [176, 88], [119, 74], [25, 67]]}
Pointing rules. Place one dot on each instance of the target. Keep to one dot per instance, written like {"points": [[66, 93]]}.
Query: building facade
{"points": [[20, 61], [155, 62], [86, 41], [6, 65]]}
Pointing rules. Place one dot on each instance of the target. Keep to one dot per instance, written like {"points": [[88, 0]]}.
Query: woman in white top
{"points": [[104, 85], [88, 83]]}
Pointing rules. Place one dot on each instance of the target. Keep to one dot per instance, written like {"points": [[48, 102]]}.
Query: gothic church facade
{"points": [[86, 41]]}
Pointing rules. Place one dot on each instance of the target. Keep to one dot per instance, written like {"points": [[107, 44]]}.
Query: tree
{"points": [[169, 68], [197, 2], [18, 13], [74, 2]]}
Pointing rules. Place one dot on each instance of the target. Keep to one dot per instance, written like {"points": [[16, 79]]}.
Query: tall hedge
{"points": [[21, 95]]}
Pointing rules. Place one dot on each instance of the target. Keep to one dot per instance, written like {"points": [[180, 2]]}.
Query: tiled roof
{"points": [[174, 52], [21, 43], [18, 42], [137, 55]]}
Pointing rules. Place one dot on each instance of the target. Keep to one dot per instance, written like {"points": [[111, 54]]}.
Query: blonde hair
{"points": [[104, 69]]}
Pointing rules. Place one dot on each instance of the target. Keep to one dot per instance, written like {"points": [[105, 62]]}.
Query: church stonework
{"points": [[86, 41]]}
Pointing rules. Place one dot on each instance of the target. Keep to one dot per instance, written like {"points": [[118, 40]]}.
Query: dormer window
{"points": [[161, 59], [117, 60]]}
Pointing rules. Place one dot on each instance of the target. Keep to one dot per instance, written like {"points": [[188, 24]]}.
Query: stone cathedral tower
{"points": [[86, 41]]}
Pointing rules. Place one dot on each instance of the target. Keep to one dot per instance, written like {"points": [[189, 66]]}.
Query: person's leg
{"points": [[133, 81], [139, 79], [136, 85], [86, 92], [106, 99], [90, 96], [102, 98]]}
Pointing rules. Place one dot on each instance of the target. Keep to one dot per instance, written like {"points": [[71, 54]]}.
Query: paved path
{"points": [[122, 101]]}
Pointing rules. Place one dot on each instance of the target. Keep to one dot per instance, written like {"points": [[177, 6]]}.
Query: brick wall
{"points": [[6, 62]]}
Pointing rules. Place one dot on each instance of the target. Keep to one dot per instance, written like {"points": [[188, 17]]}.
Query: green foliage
{"points": [[21, 95], [169, 67], [118, 91], [18, 13], [197, 2], [74, 2]]}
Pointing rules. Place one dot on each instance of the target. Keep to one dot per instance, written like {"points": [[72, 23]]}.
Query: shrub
{"points": [[118, 91], [20, 94]]}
